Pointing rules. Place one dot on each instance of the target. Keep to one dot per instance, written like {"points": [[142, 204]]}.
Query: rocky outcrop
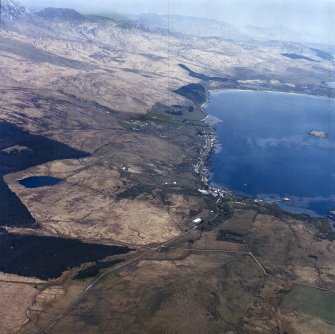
{"points": [[12, 11]]}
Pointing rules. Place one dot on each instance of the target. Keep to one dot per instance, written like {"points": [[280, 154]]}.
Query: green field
{"points": [[317, 303]]}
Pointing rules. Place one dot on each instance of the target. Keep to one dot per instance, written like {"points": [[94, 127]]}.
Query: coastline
{"points": [[216, 91], [210, 140], [202, 167]]}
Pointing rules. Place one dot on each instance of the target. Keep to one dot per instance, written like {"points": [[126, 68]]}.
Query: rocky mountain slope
{"points": [[12, 11]]}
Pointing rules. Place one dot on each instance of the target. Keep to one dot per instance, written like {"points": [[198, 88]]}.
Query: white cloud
{"points": [[288, 142]]}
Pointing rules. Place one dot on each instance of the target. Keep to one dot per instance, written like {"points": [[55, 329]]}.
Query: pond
{"points": [[39, 181], [276, 146]]}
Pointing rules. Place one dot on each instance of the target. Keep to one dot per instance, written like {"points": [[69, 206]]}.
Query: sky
{"points": [[313, 16]]}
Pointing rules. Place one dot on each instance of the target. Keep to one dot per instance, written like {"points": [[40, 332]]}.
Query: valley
{"points": [[114, 111]]}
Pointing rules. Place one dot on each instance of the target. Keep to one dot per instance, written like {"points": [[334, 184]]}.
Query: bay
{"points": [[267, 152]]}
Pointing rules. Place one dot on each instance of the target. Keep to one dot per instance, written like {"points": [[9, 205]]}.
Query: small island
{"points": [[316, 133]]}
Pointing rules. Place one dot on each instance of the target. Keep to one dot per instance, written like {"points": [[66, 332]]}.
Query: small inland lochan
{"points": [[39, 181], [37, 150]]}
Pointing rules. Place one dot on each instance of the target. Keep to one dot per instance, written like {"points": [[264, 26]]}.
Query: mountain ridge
{"points": [[62, 14], [12, 10]]}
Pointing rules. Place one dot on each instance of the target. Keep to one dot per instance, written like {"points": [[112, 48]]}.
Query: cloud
{"points": [[287, 142]]}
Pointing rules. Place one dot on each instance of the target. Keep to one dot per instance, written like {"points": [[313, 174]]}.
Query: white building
{"points": [[197, 221]]}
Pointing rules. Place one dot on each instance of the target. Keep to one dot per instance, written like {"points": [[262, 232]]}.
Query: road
{"points": [[52, 322], [227, 252]]}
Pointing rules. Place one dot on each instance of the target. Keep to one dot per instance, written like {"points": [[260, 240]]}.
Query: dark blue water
{"points": [[39, 181], [267, 153]]}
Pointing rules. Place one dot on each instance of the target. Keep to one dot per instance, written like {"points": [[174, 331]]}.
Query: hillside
{"points": [[115, 113], [61, 14]]}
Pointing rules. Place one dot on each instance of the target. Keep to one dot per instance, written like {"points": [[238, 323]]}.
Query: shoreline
{"points": [[202, 167], [204, 170], [215, 91], [210, 138]]}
